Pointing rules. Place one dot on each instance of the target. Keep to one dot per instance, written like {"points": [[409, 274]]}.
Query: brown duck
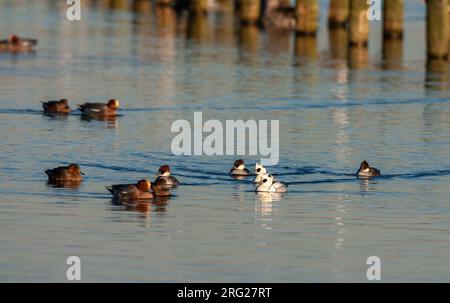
{"points": [[56, 107], [65, 173]]}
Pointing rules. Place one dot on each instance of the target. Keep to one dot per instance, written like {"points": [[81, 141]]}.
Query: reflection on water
{"points": [[336, 106]]}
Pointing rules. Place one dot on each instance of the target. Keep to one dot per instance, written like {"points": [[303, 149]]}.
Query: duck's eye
{"points": [[270, 176], [265, 180], [258, 170]]}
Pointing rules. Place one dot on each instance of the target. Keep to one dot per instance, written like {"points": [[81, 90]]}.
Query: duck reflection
{"points": [[366, 185], [111, 121]]}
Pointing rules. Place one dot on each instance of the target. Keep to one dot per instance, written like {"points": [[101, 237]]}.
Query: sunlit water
{"points": [[333, 114]]}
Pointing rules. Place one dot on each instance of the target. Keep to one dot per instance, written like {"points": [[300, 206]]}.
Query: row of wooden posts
{"points": [[351, 14]]}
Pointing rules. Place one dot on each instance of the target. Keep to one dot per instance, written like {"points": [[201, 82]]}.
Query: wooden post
{"points": [[199, 7], [307, 12], [392, 53], [437, 28], [338, 13], [142, 6], [392, 19], [338, 38], [358, 23], [305, 49], [250, 11]]}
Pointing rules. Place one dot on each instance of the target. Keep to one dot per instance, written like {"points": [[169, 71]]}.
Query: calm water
{"points": [[333, 114]]}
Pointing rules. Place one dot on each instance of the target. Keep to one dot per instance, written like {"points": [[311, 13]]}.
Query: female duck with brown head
{"points": [[65, 173], [138, 191], [56, 107]]}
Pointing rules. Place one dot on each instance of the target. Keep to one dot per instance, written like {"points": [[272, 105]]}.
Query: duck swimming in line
{"points": [[164, 174], [56, 107], [16, 44], [259, 171], [268, 184], [131, 192], [239, 169], [65, 173], [366, 171], [100, 109]]}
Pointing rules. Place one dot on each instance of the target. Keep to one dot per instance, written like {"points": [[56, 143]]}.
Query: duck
{"points": [[164, 174], [365, 170], [259, 171], [161, 188], [72, 172], [16, 44], [126, 192], [279, 15], [268, 184], [239, 169], [56, 107], [100, 109]]}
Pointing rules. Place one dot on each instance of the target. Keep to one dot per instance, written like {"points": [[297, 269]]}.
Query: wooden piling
{"points": [[307, 12], [338, 13], [198, 7], [393, 19], [250, 11], [358, 26], [437, 29], [392, 54]]}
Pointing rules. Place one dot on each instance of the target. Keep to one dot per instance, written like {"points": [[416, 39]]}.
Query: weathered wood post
{"points": [[358, 26], [307, 12], [338, 13], [393, 19], [142, 6], [197, 27], [305, 49], [199, 7], [250, 11], [437, 29]]}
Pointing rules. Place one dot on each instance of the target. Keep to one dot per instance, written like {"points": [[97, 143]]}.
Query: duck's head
{"points": [[259, 169], [164, 170], [239, 164], [74, 168], [364, 165], [13, 39], [267, 179], [113, 104], [144, 185]]}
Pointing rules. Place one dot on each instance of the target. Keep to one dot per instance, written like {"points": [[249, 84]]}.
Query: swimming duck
{"points": [[16, 44], [259, 171], [279, 15], [164, 174], [160, 187], [100, 109], [56, 107], [65, 173], [239, 169], [366, 171], [137, 191], [268, 184]]}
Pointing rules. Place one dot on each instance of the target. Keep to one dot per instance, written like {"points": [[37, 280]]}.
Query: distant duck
{"points": [[259, 171], [100, 109], [239, 169], [56, 107], [161, 188], [164, 174], [366, 171], [16, 44], [279, 15], [65, 173], [129, 192], [268, 184]]}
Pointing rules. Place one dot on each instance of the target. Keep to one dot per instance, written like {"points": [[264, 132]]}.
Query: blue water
{"points": [[333, 113]]}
